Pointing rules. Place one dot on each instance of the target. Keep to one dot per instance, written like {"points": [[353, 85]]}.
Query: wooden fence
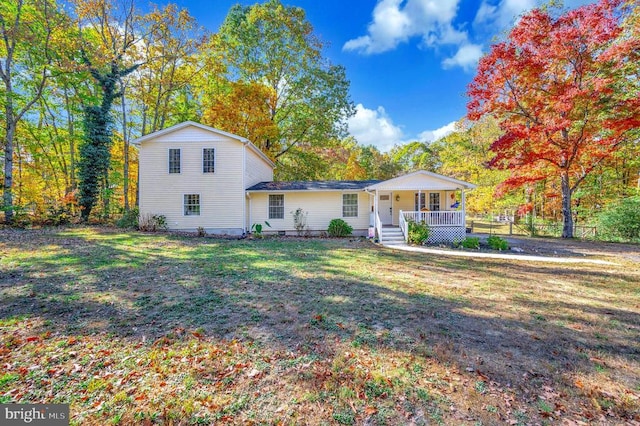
{"points": [[549, 230]]}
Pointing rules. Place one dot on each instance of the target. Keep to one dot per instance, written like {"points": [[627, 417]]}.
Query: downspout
{"points": [[248, 227], [244, 185]]}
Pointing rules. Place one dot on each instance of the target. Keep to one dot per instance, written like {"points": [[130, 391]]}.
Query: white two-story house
{"points": [[200, 177]]}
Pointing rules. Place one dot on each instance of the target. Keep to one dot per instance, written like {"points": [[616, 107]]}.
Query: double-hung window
{"points": [[192, 204], [174, 160], [276, 206], [208, 160], [349, 205], [434, 201]]}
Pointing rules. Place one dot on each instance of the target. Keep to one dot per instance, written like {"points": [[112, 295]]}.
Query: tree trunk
{"points": [[567, 217], [72, 147], [125, 148], [7, 197]]}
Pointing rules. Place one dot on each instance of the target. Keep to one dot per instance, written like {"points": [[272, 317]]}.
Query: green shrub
{"points": [[471, 243], [497, 243], [418, 232], [339, 228], [621, 220], [130, 219]]}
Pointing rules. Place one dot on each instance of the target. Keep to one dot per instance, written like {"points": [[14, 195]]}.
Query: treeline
{"points": [[80, 82]]}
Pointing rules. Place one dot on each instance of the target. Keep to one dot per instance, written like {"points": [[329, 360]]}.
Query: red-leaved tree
{"points": [[554, 86]]}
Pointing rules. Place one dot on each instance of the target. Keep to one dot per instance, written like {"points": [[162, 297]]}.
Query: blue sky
{"points": [[409, 61]]}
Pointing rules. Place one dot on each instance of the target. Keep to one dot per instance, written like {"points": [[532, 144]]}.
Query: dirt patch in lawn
{"points": [[161, 329], [576, 247]]}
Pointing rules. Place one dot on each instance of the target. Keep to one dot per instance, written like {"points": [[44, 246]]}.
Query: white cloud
{"points": [[434, 135], [466, 57], [374, 127], [502, 15], [396, 21]]}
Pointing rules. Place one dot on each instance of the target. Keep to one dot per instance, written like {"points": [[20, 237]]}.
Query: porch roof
{"points": [[421, 180]]}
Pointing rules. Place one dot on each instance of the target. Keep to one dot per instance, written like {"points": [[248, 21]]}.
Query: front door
{"points": [[385, 208]]}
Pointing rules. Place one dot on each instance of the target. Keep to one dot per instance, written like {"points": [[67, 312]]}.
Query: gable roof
{"points": [[421, 180], [186, 124], [313, 185]]}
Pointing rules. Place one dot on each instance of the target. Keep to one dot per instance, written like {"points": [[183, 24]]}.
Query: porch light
{"points": [[397, 198]]}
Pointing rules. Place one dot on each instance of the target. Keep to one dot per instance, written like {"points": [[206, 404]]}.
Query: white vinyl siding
{"points": [[276, 206], [257, 169], [349, 205], [320, 207], [174, 160], [208, 160], [222, 194], [192, 204]]}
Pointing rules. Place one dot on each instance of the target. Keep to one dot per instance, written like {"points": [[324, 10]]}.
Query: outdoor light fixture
{"points": [[397, 198]]}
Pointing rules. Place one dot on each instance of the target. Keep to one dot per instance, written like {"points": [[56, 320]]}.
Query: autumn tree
{"points": [[416, 155], [552, 87], [464, 153], [171, 39], [27, 33], [306, 97]]}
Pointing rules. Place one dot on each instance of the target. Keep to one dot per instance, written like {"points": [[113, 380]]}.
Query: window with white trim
{"points": [[349, 205], [276, 206], [434, 201], [192, 204], [174, 160], [208, 160]]}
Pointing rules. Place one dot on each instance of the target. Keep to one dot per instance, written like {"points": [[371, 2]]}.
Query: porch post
{"points": [[375, 216], [464, 208], [375, 208]]}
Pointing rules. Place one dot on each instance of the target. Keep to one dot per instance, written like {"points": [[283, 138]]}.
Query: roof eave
{"points": [[184, 124]]}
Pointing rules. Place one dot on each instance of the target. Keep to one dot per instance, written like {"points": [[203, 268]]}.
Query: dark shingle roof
{"points": [[314, 185]]}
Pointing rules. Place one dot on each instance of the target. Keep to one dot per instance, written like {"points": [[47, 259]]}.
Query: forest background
{"points": [[82, 79]]}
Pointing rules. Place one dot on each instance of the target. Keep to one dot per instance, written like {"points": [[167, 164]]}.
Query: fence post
{"points": [[510, 228]]}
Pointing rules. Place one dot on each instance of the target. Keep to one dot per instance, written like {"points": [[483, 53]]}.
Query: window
{"points": [[174, 160], [192, 204], [208, 163], [349, 205], [276, 206], [434, 201], [420, 201]]}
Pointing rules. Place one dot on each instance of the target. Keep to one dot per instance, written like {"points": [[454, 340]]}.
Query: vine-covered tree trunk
{"points": [[93, 164], [95, 151]]}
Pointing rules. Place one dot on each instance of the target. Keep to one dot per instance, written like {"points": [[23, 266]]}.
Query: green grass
{"points": [[130, 327]]}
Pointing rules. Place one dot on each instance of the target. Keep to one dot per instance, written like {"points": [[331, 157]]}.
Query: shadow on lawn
{"points": [[292, 295]]}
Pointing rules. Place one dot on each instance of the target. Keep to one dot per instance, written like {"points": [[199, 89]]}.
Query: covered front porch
{"points": [[423, 197]]}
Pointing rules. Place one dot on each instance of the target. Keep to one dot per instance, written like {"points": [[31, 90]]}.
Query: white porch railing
{"points": [[403, 226], [378, 227], [439, 218]]}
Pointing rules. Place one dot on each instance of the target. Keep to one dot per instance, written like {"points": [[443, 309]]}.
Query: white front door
{"points": [[385, 208]]}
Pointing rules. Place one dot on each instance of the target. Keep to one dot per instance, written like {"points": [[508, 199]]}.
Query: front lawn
{"points": [[164, 329]]}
